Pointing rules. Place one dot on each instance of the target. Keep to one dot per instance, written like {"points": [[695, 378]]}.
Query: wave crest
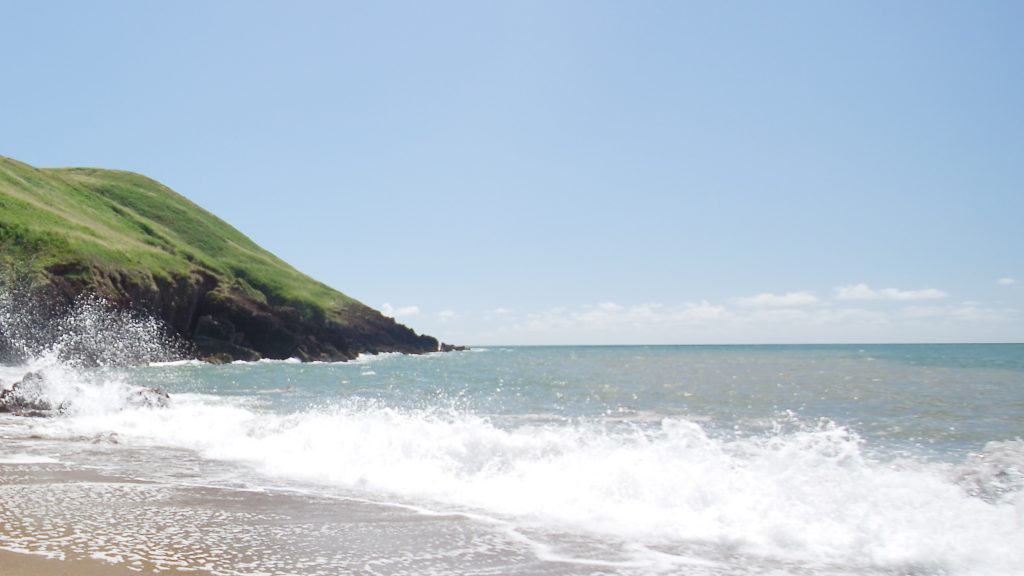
{"points": [[802, 492]]}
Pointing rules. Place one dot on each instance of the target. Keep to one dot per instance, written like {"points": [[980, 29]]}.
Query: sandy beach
{"points": [[29, 545], [61, 519]]}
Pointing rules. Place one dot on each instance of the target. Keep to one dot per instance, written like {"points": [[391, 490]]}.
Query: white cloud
{"points": [[848, 316], [853, 313], [865, 292], [1006, 281], [403, 311], [498, 314], [609, 316], [446, 315], [963, 312], [764, 299], [777, 316], [698, 311], [707, 322]]}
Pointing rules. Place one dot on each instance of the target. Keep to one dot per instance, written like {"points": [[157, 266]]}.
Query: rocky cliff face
{"points": [[223, 322]]}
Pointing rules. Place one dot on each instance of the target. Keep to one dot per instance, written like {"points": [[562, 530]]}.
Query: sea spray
{"points": [[86, 332], [996, 474], [66, 355]]}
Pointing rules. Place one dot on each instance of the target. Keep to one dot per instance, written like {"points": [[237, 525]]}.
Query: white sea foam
{"points": [[360, 359], [73, 391], [268, 361], [803, 494], [27, 459], [174, 363], [369, 358]]}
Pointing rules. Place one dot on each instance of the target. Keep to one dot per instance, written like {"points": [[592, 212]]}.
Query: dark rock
{"points": [[149, 398], [218, 358], [452, 348], [222, 351], [214, 328], [26, 396]]}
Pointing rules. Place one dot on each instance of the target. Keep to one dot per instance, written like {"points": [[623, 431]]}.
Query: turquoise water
{"points": [[941, 400], [880, 459]]}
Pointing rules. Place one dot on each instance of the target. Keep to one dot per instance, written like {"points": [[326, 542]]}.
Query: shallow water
{"points": [[613, 460]]}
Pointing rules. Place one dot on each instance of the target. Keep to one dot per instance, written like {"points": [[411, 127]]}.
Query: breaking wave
{"points": [[805, 493]]}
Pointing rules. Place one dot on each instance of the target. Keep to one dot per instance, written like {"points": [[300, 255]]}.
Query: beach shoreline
{"points": [[65, 519], [27, 545], [23, 564], [584, 461]]}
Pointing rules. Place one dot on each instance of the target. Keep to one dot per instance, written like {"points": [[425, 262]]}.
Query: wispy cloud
{"points": [[1006, 281], [767, 299], [609, 315], [770, 322], [963, 312], [446, 315], [865, 292], [851, 313], [498, 313], [401, 312]]}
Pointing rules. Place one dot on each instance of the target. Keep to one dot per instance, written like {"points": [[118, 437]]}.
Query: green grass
{"points": [[94, 219]]}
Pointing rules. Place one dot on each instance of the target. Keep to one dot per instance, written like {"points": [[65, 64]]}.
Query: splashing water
{"points": [[88, 332], [64, 356]]}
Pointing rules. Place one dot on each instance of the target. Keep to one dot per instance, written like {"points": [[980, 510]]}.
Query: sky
{"points": [[571, 172]]}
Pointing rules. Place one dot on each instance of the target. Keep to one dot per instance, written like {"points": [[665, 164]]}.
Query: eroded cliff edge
{"points": [[231, 322]]}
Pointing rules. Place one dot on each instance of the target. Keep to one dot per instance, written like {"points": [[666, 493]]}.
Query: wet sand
{"points": [[13, 564], [66, 520], [28, 525]]}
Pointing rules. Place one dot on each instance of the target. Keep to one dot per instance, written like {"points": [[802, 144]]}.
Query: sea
{"points": [[622, 460]]}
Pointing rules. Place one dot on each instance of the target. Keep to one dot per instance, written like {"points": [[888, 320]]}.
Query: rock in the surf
{"points": [[26, 396], [149, 398]]}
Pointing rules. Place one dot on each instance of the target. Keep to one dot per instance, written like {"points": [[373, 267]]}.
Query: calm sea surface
{"points": [[881, 459]]}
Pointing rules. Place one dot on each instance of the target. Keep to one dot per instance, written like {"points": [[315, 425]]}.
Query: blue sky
{"points": [[572, 172]]}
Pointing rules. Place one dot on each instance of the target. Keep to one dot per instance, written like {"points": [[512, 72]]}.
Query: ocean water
{"points": [[698, 460]]}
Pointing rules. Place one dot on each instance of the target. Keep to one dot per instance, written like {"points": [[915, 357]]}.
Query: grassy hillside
{"points": [[105, 219], [137, 243]]}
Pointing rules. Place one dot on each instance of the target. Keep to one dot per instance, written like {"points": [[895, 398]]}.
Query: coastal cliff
{"points": [[142, 247]]}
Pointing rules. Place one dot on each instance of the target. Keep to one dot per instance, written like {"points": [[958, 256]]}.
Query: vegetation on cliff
{"points": [[141, 246]]}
